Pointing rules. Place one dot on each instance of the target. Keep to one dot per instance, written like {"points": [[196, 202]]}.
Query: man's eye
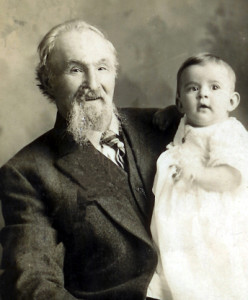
{"points": [[215, 87], [102, 68], [75, 70]]}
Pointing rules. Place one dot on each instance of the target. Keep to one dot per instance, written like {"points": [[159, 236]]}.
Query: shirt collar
{"points": [[115, 124]]}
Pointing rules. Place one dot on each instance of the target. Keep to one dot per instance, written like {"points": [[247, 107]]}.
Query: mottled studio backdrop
{"points": [[152, 38]]}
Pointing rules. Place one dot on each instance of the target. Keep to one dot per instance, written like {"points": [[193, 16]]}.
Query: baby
{"points": [[200, 217]]}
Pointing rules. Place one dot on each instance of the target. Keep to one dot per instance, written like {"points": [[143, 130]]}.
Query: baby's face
{"points": [[206, 93]]}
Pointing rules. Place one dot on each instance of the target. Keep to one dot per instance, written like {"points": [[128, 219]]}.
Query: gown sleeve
{"points": [[228, 145]]}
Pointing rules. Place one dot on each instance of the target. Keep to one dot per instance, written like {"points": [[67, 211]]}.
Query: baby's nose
{"points": [[203, 92]]}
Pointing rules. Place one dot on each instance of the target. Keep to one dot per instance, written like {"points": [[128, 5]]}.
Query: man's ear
{"points": [[45, 80], [234, 101], [179, 104], [49, 86]]}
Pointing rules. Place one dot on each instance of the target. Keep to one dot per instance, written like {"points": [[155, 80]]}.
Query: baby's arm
{"points": [[217, 179]]}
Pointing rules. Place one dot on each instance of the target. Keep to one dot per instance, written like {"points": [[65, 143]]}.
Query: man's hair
{"points": [[201, 59], [46, 46]]}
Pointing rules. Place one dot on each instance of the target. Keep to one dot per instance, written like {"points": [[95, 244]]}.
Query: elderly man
{"points": [[77, 201]]}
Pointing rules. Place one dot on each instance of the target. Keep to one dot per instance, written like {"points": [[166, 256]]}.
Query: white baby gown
{"points": [[201, 236]]}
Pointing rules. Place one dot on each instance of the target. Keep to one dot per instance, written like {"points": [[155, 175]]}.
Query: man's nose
{"points": [[92, 81]]}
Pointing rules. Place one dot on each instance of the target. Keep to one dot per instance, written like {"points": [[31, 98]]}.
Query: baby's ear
{"points": [[179, 104], [234, 101]]}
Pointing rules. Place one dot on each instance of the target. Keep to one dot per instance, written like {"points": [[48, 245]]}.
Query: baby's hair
{"points": [[201, 59]]}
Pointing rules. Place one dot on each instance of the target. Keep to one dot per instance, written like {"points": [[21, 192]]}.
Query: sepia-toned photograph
{"points": [[123, 150]]}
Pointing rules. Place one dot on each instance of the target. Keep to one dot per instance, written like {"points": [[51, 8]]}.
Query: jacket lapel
{"points": [[146, 144], [102, 181], [138, 159], [134, 176]]}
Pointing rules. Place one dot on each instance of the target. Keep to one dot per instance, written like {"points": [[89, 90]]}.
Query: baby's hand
{"points": [[188, 175], [176, 172]]}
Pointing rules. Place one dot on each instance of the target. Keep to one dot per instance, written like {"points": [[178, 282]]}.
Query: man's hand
{"points": [[167, 117]]}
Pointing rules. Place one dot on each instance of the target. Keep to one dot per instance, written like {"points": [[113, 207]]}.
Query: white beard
{"points": [[86, 118]]}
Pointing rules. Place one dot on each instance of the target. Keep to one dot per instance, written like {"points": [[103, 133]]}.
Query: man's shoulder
{"points": [[39, 148], [138, 119], [139, 114]]}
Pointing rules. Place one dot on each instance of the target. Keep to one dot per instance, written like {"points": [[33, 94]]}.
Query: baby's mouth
{"points": [[204, 106]]}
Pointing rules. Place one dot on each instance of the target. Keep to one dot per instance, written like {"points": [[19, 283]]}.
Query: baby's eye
{"points": [[215, 87], [193, 88]]}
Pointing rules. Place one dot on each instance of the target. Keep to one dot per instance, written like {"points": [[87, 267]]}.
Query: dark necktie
{"points": [[112, 140]]}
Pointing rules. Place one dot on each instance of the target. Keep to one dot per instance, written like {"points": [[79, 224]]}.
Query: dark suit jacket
{"points": [[77, 225]]}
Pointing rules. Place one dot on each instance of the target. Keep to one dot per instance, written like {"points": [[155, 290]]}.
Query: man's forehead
{"points": [[83, 43], [84, 34]]}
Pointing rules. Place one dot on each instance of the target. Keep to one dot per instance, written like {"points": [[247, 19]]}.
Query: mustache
{"points": [[86, 94]]}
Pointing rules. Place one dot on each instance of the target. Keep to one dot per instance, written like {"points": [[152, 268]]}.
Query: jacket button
{"points": [[140, 190]]}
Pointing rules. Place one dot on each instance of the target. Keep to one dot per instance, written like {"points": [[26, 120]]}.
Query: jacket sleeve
{"points": [[32, 259]]}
